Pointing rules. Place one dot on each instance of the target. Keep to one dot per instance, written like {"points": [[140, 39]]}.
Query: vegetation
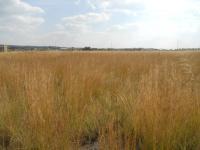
{"points": [[118, 100]]}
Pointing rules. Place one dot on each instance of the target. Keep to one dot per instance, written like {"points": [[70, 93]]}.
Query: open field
{"points": [[110, 100]]}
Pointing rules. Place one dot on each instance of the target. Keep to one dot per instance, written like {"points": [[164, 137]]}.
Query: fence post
{"points": [[5, 48]]}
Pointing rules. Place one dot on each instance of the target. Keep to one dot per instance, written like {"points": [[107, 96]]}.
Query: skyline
{"points": [[101, 23]]}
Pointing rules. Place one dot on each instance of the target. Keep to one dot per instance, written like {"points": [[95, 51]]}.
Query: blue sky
{"points": [[101, 23]]}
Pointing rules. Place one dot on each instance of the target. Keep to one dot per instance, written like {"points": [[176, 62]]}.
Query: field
{"points": [[107, 100]]}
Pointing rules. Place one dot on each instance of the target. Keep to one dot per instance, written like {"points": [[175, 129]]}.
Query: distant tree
{"points": [[87, 48]]}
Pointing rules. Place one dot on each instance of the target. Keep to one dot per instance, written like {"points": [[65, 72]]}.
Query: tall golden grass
{"points": [[119, 100]]}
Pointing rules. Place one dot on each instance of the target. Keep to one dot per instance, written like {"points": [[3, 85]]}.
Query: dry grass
{"points": [[121, 100]]}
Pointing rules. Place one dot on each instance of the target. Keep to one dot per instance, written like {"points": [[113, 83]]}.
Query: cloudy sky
{"points": [[101, 23]]}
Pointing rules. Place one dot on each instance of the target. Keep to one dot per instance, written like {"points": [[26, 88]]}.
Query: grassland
{"points": [[116, 100]]}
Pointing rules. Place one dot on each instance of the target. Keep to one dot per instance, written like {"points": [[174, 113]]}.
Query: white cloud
{"points": [[19, 17], [83, 22], [87, 18], [107, 4], [130, 27], [10, 7], [123, 11], [149, 23], [98, 23], [91, 5], [77, 2]]}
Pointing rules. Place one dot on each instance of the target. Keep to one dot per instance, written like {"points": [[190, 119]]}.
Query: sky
{"points": [[101, 23]]}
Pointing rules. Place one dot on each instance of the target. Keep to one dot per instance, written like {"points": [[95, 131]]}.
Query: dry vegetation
{"points": [[116, 100]]}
